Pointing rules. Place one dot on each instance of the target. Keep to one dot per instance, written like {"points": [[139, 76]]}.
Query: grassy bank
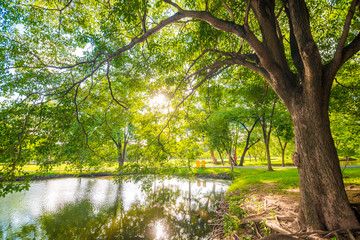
{"points": [[111, 166], [257, 196], [249, 191], [281, 178]]}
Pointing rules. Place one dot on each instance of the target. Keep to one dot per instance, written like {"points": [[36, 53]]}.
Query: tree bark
{"points": [[323, 200]]}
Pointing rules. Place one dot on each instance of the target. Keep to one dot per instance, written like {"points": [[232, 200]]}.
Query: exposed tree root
{"points": [[270, 217], [218, 231]]}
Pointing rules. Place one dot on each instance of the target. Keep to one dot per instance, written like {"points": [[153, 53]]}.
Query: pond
{"points": [[89, 208]]}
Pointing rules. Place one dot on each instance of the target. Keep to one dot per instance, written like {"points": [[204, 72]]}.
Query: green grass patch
{"points": [[275, 161], [67, 167], [351, 176], [281, 178], [284, 178]]}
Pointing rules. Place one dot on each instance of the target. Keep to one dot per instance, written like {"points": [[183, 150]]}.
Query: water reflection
{"points": [[76, 208]]}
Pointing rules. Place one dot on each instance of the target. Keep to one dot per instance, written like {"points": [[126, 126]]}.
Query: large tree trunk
{"points": [[323, 201]]}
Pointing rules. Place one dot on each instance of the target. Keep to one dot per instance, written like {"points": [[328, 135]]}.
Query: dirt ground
{"points": [[273, 216]]}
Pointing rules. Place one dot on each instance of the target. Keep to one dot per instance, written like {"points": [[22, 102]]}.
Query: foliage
{"points": [[84, 73]]}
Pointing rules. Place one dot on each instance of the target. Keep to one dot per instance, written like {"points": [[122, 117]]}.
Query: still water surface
{"points": [[85, 208]]}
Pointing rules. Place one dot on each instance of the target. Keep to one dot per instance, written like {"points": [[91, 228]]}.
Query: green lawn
{"points": [[67, 167], [281, 178], [275, 161]]}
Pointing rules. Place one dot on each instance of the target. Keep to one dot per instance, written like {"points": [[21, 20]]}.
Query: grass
{"points": [[65, 167], [284, 178], [351, 176], [275, 161], [281, 178]]}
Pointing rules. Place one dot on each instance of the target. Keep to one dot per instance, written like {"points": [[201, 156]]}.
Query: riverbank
{"points": [[180, 172], [258, 202], [261, 203]]}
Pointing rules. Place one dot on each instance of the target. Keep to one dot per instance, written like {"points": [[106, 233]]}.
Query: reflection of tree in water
{"points": [[165, 215]]}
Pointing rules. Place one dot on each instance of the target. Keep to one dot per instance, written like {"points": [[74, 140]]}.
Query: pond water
{"points": [[87, 208]]}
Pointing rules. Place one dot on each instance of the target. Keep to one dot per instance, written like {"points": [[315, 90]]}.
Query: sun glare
{"points": [[160, 231], [158, 101]]}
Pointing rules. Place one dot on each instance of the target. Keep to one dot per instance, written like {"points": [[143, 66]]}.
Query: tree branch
{"points": [[265, 14], [351, 49], [219, 24], [110, 88], [308, 50], [212, 73], [228, 9], [246, 18], [345, 32]]}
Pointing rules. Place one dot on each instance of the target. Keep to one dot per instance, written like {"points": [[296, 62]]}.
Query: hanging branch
{"points": [[111, 91], [212, 73]]}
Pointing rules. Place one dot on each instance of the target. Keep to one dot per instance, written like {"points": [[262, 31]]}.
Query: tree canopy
{"points": [[77, 73]]}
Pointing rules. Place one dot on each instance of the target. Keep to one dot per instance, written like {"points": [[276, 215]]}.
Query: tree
{"points": [[120, 129], [249, 142], [344, 110], [266, 117], [284, 130], [220, 131], [297, 47]]}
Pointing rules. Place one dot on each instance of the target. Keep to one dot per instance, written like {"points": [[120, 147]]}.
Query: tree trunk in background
{"points": [[122, 154], [222, 160], [230, 159], [247, 144], [213, 158], [246, 148], [283, 148], [120, 158], [266, 136], [124, 149]]}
